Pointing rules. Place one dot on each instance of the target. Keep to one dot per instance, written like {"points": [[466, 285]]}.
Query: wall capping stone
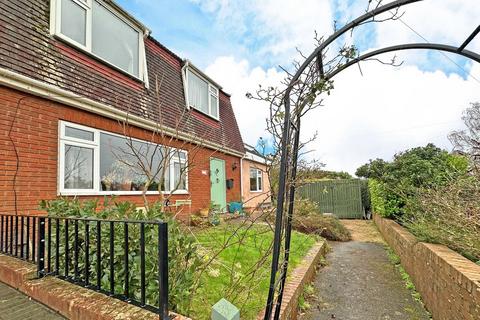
{"points": [[301, 276], [71, 301], [448, 283]]}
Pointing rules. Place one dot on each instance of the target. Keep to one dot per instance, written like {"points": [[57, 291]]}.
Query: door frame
{"points": [[224, 186]]}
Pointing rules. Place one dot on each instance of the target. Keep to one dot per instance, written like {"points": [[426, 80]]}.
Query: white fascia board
{"points": [[255, 158]]}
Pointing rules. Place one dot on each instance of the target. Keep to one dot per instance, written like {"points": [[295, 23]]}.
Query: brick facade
{"points": [[29, 127], [448, 283]]}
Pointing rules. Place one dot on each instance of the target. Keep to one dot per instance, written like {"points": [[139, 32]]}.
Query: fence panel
{"points": [[124, 259], [343, 198]]}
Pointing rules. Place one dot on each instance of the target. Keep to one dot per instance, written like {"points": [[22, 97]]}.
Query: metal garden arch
{"points": [[291, 133]]}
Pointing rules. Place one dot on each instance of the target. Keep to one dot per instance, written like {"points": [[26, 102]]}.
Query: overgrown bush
{"points": [[183, 257], [410, 171], [377, 197], [308, 219], [382, 201], [431, 193], [449, 215]]}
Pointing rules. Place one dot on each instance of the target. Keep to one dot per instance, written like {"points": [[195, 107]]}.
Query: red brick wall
{"points": [[448, 283], [297, 280], [31, 124]]}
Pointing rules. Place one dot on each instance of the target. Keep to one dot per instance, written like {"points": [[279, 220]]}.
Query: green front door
{"points": [[218, 189]]}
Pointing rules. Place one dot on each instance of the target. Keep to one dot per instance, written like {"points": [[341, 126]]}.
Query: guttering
{"points": [[253, 155], [38, 88]]}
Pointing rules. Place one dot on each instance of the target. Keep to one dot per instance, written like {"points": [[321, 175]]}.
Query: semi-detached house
{"points": [[75, 76]]}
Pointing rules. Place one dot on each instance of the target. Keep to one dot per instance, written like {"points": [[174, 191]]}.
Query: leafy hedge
{"points": [[393, 184], [377, 197], [383, 202], [431, 193], [183, 257]]}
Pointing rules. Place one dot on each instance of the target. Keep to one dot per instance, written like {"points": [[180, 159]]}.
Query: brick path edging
{"points": [[71, 301], [301, 276], [448, 283]]}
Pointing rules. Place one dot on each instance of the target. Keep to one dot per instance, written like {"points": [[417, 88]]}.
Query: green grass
{"points": [[395, 260], [308, 292], [238, 273]]}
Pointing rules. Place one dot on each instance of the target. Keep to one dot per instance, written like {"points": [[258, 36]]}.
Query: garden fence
{"points": [[343, 198], [124, 259]]}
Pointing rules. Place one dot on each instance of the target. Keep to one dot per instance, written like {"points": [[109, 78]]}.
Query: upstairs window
{"points": [[97, 28], [74, 21], [201, 94]]}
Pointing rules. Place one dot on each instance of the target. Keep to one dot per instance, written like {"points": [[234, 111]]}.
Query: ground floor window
{"points": [[256, 180], [94, 161]]}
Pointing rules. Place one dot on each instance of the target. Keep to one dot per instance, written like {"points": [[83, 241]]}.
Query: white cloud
{"points": [[238, 78], [446, 22], [385, 111], [274, 27]]}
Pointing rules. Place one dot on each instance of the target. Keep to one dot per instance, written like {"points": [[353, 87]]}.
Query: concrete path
{"points": [[359, 282], [17, 306]]}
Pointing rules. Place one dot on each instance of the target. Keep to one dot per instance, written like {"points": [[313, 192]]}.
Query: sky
{"points": [[373, 114]]}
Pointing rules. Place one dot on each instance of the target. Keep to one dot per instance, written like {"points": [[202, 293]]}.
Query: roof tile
{"points": [[27, 48]]}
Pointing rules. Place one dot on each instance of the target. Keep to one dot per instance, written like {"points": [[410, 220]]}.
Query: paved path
{"points": [[17, 306], [359, 282]]}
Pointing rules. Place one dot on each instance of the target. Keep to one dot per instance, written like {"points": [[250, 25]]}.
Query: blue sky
{"points": [[192, 31], [241, 43], [186, 29]]}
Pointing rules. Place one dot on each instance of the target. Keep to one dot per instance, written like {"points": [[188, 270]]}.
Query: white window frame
{"points": [[95, 145], [259, 174], [212, 89], [176, 159], [55, 29]]}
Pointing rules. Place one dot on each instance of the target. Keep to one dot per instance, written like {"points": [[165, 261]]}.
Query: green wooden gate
{"points": [[343, 198]]}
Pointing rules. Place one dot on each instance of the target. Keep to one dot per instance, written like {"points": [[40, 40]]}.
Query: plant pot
{"points": [[215, 222], [204, 212], [127, 186], [106, 186], [234, 207]]}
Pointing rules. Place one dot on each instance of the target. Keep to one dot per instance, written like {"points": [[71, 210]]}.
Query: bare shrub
{"points": [[449, 215], [308, 219]]}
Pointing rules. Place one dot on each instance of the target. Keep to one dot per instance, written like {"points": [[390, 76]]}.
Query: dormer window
{"points": [[202, 94], [99, 29]]}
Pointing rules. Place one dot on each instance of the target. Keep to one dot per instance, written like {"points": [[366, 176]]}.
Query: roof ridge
{"points": [[158, 43]]}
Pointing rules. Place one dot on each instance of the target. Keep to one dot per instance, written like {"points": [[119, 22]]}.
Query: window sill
{"points": [[118, 193], [217, 119], [258, 191]]}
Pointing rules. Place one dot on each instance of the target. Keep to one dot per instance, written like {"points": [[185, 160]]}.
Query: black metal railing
{"points": [[124, 259]]}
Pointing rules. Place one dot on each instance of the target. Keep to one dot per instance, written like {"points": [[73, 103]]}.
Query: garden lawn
{"points": [[241, 272]]}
